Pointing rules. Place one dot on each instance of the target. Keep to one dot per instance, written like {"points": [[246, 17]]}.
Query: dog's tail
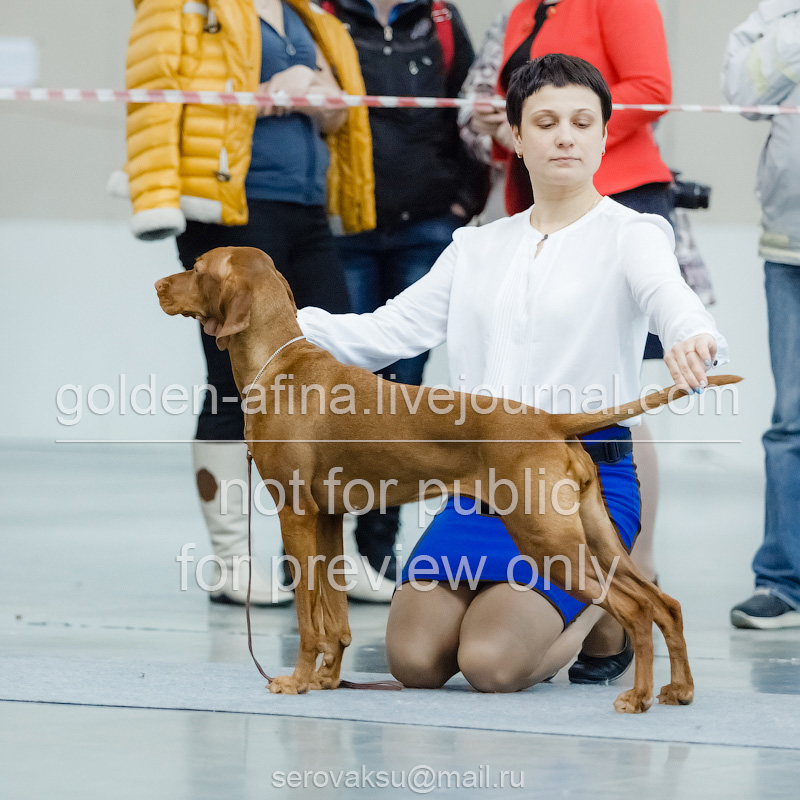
{"points": [[580, 424]]}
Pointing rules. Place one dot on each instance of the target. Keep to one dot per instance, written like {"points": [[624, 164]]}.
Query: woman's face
{"points": [[561, 136]]}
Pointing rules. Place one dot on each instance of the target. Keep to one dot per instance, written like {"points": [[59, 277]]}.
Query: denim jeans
{"points": [[777, 562], [379, 264]]}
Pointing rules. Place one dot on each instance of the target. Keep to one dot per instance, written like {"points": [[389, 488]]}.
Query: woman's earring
{"points": [[603, 153], [519, 155]]}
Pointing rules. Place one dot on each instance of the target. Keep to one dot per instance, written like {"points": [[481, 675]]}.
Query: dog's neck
{"points": [[272, 324]]}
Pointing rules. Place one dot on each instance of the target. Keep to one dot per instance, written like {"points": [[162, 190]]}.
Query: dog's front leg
{"points": [[334, 600], [299, 532]]}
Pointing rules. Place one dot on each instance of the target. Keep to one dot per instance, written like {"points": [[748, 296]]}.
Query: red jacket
{"points": [[625, 40]]}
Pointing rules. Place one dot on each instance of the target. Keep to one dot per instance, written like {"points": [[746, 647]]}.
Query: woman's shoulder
{"points": [[626, 221], [502, 228]]}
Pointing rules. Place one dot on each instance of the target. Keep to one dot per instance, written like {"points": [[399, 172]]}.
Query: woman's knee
{"points": [[488, 667], [422, 635], [419, 668]]}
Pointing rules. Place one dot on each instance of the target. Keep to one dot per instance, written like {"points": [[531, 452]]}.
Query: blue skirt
{"points": [[461, 543]]}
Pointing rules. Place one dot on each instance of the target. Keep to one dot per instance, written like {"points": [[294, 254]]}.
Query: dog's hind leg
{"points": [[560, 537], [634, 612], [334, 600], [680, 690], [604, 543]]}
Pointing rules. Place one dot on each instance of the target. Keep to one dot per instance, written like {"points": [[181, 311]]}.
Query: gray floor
{"points": [[88, 574]]}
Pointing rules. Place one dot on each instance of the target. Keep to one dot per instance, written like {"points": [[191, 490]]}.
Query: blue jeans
{"points": [[380, 264], [777, 562]]}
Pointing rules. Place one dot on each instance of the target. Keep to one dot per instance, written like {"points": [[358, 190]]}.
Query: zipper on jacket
{"points": [[222, 174], [211, 26]]}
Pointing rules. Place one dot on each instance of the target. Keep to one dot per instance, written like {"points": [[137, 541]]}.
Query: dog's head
{"points": [[219, 290]]}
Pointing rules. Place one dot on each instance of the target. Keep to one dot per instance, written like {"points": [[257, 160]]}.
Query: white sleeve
{"points": [[675, 312], [762, 58], [410, 324]]}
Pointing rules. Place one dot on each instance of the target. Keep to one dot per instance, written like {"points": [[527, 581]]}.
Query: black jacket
{"points": [[421, 166]]}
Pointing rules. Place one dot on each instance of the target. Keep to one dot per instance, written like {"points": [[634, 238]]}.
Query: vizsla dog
{"points": [[249, 307]]}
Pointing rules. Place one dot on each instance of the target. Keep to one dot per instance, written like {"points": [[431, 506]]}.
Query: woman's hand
{"points": [[689, 361], [488, 121], [300, 80], [295, 81]]}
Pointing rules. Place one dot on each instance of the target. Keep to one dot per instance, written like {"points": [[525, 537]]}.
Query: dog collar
{"points": [[269, 361]]}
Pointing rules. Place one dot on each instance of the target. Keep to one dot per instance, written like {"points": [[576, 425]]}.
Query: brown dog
{"points": [[249, 307]]}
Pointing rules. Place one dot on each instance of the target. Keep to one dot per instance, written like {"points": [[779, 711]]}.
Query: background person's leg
{"points": [[313, 267], [362, 256], [400, 257], [219, 454], [777, 562], [412, 250]]}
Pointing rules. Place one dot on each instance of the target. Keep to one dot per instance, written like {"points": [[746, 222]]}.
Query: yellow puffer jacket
{"points": [[191, 161]]}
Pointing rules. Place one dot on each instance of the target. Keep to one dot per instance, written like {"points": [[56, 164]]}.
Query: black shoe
{"points": [[285, 578], [601, 669], [765, 611], [375, 535]]}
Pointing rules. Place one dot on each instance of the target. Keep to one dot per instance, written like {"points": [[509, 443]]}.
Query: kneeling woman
{"points": [[560, 295]]}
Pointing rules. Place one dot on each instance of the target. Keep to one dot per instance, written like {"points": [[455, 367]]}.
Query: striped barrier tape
{"points": [[331, 102]]}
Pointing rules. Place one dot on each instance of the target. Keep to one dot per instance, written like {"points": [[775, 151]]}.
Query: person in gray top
{"points": [[762, 66]]}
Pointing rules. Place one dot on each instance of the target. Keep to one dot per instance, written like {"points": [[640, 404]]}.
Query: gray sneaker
{"points": [[765, 611]]}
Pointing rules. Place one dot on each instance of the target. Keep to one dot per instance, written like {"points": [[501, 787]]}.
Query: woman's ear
{"points": [[517, 139]]}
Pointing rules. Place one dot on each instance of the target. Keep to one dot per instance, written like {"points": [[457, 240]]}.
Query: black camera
{"points": [[686, 194]]}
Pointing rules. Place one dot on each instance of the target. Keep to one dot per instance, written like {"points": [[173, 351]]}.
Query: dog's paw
{"points": [[287, 684], [632, 702], [676, 694], [324, 682]]}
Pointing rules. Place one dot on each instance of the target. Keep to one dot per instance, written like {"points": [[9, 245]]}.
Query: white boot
{"points": [[221, 474], [370, 586]]}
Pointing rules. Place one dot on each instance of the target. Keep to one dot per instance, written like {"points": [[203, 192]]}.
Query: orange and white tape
{"points": [[323, 101]]}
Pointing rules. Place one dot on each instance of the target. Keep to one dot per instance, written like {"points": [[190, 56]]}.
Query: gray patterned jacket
{"points": [[762, 67]]}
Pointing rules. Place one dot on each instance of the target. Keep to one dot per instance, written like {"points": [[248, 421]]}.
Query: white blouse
{"points": [[563, 331]]}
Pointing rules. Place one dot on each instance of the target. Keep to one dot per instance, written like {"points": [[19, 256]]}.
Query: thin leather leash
{"points": [[391, 686]]}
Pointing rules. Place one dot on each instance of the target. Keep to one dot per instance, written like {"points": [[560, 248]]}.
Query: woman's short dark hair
{"points": [[554, 69]]}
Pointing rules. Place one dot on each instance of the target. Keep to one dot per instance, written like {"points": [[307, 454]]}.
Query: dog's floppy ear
{"points": [[235, 301], [286, 286]]}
